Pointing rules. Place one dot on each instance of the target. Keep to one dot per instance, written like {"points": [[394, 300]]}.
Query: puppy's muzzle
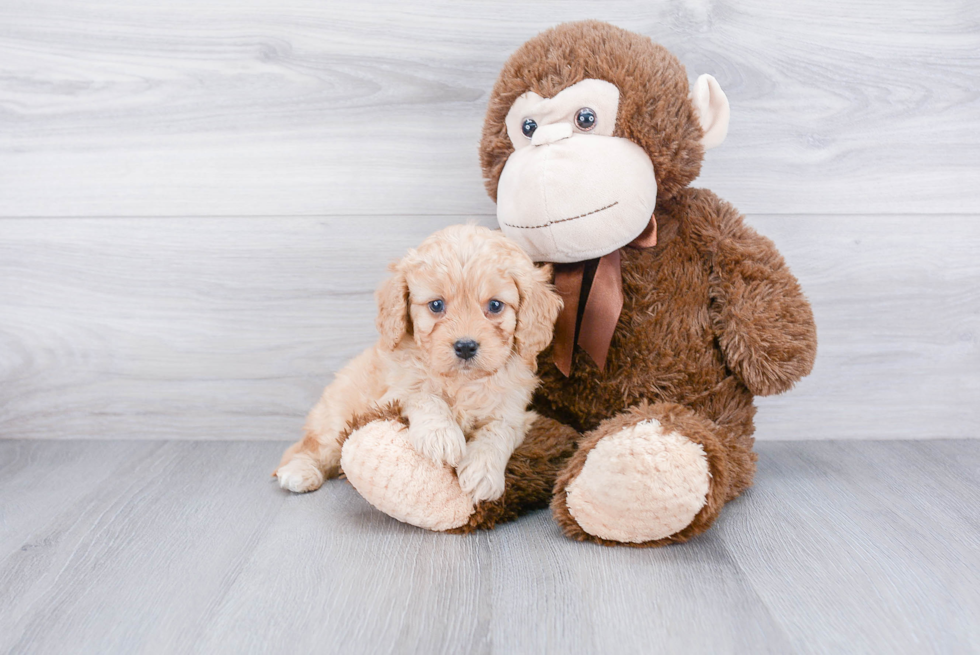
{"points": [[466, 348]]}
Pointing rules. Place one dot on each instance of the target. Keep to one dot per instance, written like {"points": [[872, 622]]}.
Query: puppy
{"points": [[462, 321]]}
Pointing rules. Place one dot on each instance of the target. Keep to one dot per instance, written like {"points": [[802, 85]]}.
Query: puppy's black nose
{"points": [[466, 348]]}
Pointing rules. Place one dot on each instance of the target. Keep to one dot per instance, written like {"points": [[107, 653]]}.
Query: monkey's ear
{"points": [[713, 110], [393, 318]]}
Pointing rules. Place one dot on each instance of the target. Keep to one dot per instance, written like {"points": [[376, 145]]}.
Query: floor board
{"points": [[162, 546]]}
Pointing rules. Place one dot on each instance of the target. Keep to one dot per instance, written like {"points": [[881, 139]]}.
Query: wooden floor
{"points": [[178, 547]]}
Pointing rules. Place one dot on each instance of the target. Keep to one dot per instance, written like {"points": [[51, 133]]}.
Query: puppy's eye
{"points": [[436, 306], [495, 306], [528, 127], [585, 119]]}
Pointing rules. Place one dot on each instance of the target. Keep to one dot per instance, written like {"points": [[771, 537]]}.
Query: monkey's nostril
{"points": [[466, 348]]}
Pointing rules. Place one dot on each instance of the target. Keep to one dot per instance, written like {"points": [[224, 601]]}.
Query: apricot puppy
{"points": [[462, 320]]}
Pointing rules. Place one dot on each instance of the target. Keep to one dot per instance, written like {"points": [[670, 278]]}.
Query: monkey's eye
{"points": [[528, 127], [585, 119], [436, 306], [495, 306]]}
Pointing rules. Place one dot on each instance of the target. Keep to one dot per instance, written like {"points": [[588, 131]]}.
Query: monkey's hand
{"points": [[762, 319]]}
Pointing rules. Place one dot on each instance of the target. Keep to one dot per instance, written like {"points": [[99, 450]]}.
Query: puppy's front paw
{"points": [[439, 442], [480, 474], [299, 475]]}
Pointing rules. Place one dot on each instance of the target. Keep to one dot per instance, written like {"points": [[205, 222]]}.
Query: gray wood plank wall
{"points": [[197, 198]]}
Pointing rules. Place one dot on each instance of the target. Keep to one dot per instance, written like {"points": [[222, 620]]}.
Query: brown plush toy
{"points": [[676, 313]]}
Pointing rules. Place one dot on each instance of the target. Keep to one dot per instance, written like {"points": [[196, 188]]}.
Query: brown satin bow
{"points": [[603, 304]]}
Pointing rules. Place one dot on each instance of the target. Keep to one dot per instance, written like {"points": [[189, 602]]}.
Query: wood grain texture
{"points": [[230, 328], [328, 108], [207, 328], [859, 547], [852, 529]]}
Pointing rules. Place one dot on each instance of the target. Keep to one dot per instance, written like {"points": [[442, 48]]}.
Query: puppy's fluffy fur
{"points": [[469, 413]]}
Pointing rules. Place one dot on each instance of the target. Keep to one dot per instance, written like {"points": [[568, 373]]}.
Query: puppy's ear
{"points": [[540, 305], [393, 320]]}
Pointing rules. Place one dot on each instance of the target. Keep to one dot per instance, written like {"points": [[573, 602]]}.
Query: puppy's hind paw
{"points": [[299, 475], [480, 476]]}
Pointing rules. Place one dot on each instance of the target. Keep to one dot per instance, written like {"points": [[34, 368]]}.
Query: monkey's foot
{"points": [[389, 473], [634, 481]]}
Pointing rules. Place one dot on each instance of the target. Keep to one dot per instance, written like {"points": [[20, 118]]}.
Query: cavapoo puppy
{"points": [[462, 321]]}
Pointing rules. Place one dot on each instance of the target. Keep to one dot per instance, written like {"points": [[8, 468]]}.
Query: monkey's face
{"points": [[577, 174], [571, 190]]}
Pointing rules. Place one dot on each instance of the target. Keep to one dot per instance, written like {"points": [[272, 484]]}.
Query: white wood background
{"points": [[197, 198]]}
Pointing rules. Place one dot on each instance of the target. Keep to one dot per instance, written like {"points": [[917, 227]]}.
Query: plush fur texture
{"points": [[542, 202], [531, 475], [389, 475], [666, 469], [711, 315], [655, 111], [464, 284], [380, 462], [730, 462]]}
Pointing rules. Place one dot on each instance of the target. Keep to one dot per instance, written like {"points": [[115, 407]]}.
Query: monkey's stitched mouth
{"points": [[562, 220]]}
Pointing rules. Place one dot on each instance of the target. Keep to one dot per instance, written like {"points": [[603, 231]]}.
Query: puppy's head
{"points": [[471, 299]]}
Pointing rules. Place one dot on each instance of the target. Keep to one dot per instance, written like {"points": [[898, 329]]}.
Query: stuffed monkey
{"points": [[676, 312]]}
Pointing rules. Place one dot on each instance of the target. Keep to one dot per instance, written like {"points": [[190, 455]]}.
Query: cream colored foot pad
{"points": [[640, 485], [384, 468]]}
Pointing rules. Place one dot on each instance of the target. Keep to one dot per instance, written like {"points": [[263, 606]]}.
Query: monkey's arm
{"points": [[763, 322]]}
